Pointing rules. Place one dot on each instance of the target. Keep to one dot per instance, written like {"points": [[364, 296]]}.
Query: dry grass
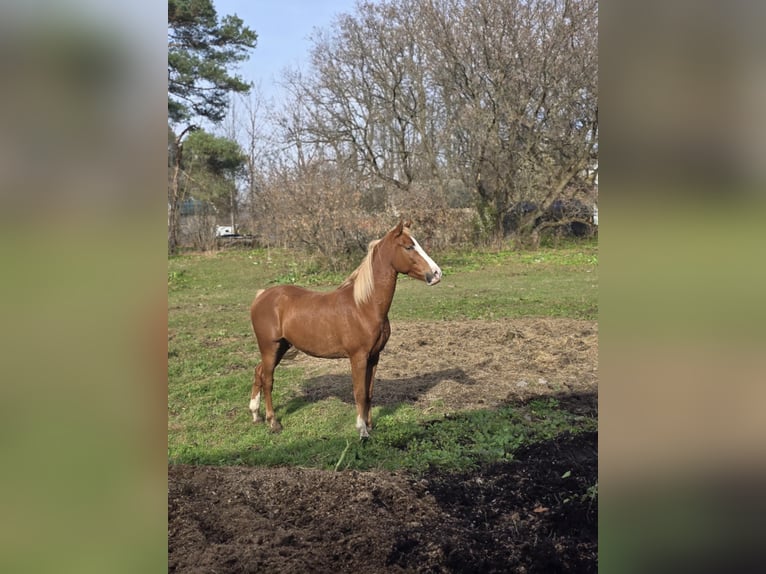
{"points": [[465, 365]]}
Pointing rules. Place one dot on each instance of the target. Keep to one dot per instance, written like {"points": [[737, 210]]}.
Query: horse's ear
{"points": [[407, 223], [399, 228]]}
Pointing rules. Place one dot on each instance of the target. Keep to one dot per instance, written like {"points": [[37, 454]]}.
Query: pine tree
{"points": [[203, 49]]}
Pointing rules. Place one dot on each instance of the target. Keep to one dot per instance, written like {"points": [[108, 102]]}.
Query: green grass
{"points": [[212, 353]]}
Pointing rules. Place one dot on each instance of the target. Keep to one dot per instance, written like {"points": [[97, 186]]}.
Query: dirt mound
{"points": [[533, 514]]}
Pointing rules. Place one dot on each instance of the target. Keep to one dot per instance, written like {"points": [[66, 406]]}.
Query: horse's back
{"points": [[282, 301], [282, 295]]}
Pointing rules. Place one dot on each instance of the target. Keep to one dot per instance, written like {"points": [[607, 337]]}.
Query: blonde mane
{"points": [[361, 277]]}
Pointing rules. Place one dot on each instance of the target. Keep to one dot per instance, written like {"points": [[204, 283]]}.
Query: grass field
{"points": [[212, 353]]}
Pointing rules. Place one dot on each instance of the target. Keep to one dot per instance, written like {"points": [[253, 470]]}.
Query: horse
{"points": [[348, 322]]}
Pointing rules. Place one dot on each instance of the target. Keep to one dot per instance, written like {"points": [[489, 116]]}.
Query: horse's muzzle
{"points": [[433, 278]]}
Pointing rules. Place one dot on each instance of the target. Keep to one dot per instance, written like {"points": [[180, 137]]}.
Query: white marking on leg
{"points": [[361, 426], [435, 269], [255, 405]]}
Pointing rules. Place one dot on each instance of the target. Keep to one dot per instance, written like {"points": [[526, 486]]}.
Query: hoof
{"points": [[361, 426], [275, 427]]}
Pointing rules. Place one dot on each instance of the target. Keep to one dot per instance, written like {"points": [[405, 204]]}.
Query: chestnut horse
{"points": [[351, 321]]}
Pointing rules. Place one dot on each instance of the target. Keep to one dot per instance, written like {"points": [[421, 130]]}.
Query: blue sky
{"points": [[283, 28]]}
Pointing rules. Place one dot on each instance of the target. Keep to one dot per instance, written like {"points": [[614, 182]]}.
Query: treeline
{"points": [[478, 118]]}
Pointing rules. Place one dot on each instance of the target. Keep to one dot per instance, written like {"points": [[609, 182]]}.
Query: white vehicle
{"points": [[224, 230]]}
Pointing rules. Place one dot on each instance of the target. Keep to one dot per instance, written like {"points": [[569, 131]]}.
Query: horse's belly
{"points": [[314, 342], [324, 354], [329, 351]]}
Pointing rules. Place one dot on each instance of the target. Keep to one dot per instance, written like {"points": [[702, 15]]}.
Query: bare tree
{"points": [[367, 96], [429, 107], [257, 141], [519, 86], [176, 191], [496, 97]]}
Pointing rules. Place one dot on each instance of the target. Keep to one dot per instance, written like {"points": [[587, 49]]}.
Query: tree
{"points": [[518, 86], [202, 50], [368, 94], [252, 128], [427, 96], [213, 164]]}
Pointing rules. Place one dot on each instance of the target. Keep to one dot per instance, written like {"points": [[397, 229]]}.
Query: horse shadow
{"points": [[387, 392]]}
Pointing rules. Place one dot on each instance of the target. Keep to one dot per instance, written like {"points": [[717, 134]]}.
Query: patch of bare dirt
{"points": [[521, 516], [467, 365], [533, 514]]}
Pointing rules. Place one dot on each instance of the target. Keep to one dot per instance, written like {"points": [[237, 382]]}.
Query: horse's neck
{"points": [[384, 281]]}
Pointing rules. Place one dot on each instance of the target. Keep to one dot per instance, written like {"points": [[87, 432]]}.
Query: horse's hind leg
{"points": [[268, 383], [264, 382], [255, 394]]}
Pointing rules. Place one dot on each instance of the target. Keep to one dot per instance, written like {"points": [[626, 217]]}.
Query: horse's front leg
{"points": [[372, 367], [359, 375]]}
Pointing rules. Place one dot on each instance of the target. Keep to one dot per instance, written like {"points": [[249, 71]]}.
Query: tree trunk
{"points": [[174, 193], [174, 204]]}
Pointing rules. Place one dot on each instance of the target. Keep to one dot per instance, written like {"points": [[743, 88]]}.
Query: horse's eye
{"points": [[409, 247]]}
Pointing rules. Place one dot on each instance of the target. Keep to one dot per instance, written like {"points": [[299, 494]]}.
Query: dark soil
{"points": [[533, 514]]}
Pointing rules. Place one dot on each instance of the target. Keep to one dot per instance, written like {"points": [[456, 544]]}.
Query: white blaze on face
{"points": [[434, 267]]}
